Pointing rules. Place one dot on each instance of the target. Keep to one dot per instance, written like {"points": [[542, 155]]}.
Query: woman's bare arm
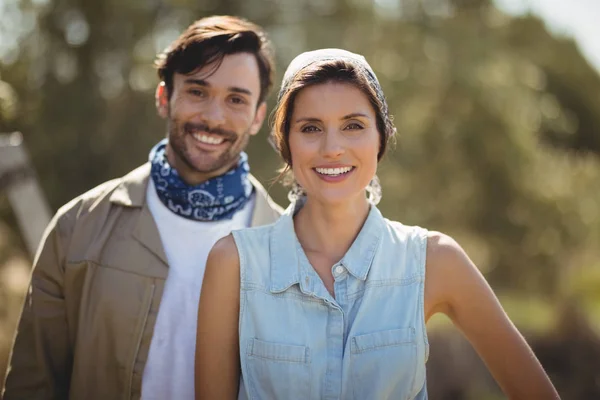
{"points": [[217, 368], [455, 287]]}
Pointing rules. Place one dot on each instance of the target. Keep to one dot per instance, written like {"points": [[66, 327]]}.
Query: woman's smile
{"points": [[334, 142], [334, 173]]}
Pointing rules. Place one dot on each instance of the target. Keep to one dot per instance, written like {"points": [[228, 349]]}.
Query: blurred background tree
{"points": [[499, 143]]}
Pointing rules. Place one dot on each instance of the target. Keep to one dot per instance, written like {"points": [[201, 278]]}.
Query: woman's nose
{"points": [[332, 145]]}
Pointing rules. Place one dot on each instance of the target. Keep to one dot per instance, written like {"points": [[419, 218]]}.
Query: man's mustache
{"points": [[225, 134]]}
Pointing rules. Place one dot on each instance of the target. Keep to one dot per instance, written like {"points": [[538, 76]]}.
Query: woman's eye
{"points": [[310, 129], [354, 126]]}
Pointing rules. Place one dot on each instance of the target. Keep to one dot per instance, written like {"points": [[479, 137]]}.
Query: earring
{"points": [[296, 192], [374, 191]]}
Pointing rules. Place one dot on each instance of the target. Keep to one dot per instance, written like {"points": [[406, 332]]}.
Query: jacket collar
{"points": [[131, 192], [289, 264]]}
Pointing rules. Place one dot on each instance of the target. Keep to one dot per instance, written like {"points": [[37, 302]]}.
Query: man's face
{"points": [[211, 115]]}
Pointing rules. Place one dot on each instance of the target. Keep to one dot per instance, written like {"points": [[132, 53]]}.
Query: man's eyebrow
{"points": [[202, 82], [241, 90], [199, 82]]}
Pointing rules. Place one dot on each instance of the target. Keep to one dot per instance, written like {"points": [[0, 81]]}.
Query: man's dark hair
{"points": [[208, 40]]}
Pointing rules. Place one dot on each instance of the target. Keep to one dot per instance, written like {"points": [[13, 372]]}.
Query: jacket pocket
{"points": [[277, 371], [383, 364]]}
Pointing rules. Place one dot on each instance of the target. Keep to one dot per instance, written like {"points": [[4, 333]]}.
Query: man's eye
{"points": [[197, 92], [238, 100]]}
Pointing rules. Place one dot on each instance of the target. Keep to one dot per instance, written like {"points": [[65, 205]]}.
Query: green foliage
{"points": [[498, 121]]}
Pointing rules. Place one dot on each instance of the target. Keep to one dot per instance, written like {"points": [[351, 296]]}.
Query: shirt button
{"points": [[339, 270]]}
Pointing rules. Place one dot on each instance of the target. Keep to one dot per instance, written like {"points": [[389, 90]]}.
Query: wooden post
{"points": [[27, 200]]}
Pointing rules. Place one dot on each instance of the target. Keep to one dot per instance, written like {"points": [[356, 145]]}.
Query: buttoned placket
{"points": [[337, 319], [340, 309], [336, 328], [336, 339]]}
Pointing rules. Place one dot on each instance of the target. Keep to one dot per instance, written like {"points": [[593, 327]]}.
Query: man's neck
{"points": [[193, 177]]}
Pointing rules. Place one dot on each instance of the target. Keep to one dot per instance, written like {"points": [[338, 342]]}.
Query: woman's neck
{"points": [[330, 229]]}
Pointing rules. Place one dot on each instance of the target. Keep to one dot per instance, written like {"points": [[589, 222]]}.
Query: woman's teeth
{"points": [[333, 171], [208, 139]]}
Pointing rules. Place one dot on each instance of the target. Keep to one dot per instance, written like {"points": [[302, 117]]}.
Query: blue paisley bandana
{"points": [[216, 199]]}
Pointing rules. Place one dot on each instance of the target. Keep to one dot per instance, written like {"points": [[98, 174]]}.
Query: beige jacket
{"points": [[96, 288]]}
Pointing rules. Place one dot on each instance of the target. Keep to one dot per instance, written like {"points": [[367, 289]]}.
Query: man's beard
{"points": [[178, 132]]}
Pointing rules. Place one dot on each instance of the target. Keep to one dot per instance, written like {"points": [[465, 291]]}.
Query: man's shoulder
{"points": [[266, 210], [275, 209], [96, 197]]}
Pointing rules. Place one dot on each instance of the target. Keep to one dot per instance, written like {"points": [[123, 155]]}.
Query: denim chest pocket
{"points": [[383, 364], [277, 370]]}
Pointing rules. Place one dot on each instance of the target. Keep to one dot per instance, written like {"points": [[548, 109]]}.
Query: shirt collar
{"points": [[287, 267], [360, 255]]}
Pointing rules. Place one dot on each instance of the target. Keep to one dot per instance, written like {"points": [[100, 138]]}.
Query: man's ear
{"points": [[259, 118], [162, 100]]}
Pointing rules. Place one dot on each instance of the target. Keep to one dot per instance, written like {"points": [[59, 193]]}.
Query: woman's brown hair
{"points": [[341, 70]]}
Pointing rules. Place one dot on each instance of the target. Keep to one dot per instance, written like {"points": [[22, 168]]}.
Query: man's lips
{"points": [[208, 139], [203, 134]]}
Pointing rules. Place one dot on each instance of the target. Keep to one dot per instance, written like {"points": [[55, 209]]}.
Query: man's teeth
{"points": [[208, 139], [333, 171]]}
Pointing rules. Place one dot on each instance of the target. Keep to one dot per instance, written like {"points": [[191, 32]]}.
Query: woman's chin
{"points": [[337, 198]]}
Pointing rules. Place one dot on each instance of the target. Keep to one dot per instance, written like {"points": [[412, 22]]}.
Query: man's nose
{"points": [[214, 114]]}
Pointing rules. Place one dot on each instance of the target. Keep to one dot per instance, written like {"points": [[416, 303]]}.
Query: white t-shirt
{"points": [[169, 370]]}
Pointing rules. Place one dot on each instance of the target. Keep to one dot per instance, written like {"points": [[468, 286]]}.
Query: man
{"points": [[112, 308]]}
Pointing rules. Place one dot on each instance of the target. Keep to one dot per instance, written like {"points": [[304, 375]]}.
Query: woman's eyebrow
{"points": [[345, 117], [354, 115], [307, 119]]}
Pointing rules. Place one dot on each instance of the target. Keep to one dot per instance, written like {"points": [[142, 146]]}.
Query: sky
{"points": [[579, 19]]}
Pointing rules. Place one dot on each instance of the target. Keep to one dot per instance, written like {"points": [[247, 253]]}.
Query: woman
{"points": [[331, 301]]}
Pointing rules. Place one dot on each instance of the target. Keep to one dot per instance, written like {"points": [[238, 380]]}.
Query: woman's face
{"points": [[333, 142]]}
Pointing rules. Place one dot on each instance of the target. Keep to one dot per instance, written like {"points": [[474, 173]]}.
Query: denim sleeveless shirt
{"points": [[298, 342]]}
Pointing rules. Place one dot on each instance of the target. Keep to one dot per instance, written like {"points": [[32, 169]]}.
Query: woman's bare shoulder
{"points": [[224, 254]]}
